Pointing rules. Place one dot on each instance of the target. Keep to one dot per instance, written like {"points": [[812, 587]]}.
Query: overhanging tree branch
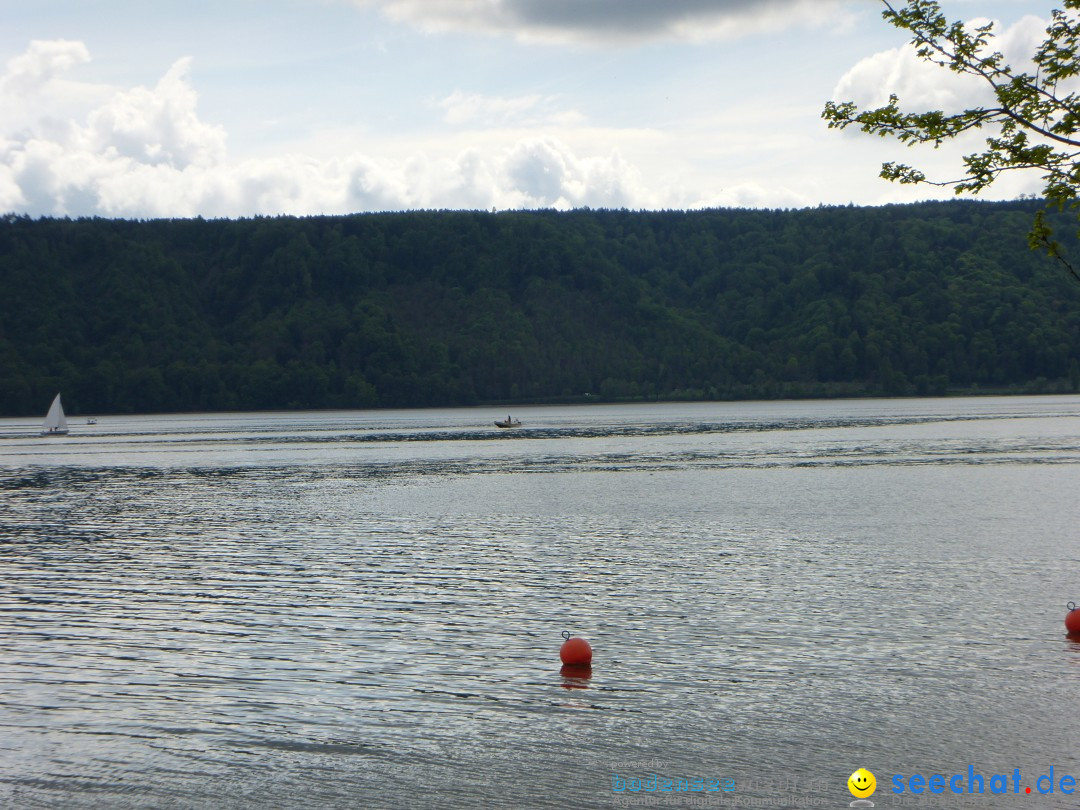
{"points": [[1033, 126]]}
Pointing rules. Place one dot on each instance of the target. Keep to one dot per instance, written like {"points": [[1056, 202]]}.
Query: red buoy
{"points": [[575, 651], [1072, 620]]}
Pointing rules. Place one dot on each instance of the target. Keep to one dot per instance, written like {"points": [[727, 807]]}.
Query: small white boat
{"points": [[91, 421], [508, 422], [55, 421]]}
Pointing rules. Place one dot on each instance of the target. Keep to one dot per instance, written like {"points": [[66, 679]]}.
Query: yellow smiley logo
{"points": [[862, 784]]}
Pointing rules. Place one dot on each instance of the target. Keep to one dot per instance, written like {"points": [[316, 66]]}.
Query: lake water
{"points": [[364, 609]]}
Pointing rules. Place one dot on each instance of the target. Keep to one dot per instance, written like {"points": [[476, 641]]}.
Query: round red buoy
{"points": [[575, 650], [1072, 620]]}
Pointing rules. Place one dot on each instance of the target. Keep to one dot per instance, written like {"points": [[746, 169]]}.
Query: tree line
{"points": [[440, 308]]}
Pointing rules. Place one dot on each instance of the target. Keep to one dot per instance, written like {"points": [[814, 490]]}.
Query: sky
{"points": [[234, 108]]}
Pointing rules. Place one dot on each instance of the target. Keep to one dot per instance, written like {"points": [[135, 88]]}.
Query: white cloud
{"points": [[604, 21], [155, 126], [544, 174], [11, 196], [753, 195], [922, 85], [128, 156], [474, 108], [40, 65], [145, 152], [35, 93]]}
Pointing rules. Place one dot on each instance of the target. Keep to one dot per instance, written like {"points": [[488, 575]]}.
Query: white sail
{"points": [[55, 421]]}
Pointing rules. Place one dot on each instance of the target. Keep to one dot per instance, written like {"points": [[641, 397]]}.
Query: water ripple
{"points": [[346, 622]]}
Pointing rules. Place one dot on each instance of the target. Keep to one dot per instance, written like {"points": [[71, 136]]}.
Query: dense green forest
{"points": [[458, 308]]}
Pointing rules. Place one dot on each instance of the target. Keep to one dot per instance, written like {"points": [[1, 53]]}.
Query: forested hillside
{"points": [[455, 308]]}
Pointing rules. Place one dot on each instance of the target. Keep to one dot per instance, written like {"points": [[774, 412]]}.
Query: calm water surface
{"points": [[363, 609]]}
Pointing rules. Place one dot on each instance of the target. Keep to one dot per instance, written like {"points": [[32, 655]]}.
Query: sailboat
{"points": [[55, 421]]}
